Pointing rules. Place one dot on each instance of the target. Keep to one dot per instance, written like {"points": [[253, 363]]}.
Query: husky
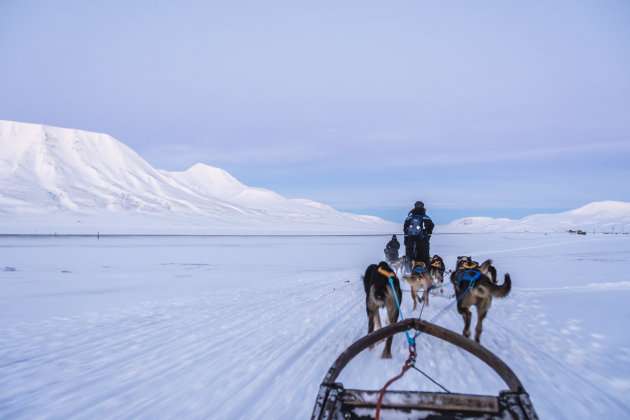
{"points": [[419, 279], [486, 267], [436, 272], [379, 294], [474, 286], [401, 265]]}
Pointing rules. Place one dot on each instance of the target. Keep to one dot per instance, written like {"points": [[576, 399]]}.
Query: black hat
{"points": [[419, 204]]}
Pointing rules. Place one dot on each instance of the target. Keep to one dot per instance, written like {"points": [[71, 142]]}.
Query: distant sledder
{"points": [[391, 249]]}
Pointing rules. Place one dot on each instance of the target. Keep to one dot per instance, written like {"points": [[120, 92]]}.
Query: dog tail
{"points": [[504, 289], [488, 269]]}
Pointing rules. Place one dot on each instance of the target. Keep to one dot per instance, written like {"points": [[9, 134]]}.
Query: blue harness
{"points": [[419, 270], [469, 276]]}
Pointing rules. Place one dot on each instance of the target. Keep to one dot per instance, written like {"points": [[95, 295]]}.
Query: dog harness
{"points": [[470, 276], [385, 272], [419, 270]]}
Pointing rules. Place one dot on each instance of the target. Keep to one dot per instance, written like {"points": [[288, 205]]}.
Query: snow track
{"points": [[168, 359]]}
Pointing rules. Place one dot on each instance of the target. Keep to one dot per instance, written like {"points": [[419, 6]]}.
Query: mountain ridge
{"points": [[51, 172], [599, 216], [65, 180]]}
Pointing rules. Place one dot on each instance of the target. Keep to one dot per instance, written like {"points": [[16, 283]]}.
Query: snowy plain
{"points": [[234, 327]]}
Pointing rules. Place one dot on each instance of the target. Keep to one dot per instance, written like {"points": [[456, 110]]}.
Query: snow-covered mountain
{"points": [[602, 216], [58, 180]]}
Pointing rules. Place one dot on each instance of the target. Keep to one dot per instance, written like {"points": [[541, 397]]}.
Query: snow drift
{"points": [[70, 181]]}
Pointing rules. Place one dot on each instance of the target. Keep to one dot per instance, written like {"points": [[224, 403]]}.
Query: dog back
{"points": [[474, 279], [377, 285]]}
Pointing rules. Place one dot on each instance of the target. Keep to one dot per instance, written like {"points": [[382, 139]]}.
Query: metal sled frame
{"points": [[335, 402]]}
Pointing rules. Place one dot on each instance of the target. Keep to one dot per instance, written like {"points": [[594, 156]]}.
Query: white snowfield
{"points": [[246, 327], [59, 180]]}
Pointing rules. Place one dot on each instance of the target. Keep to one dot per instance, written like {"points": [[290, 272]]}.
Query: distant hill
{"points": [[70, 181], [602, 216]]}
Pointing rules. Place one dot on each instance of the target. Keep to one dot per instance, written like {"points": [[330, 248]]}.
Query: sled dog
{"points": [[436, 272], [379, 294], [419, 279], [401, 265], [486, 267], [474, 286]]}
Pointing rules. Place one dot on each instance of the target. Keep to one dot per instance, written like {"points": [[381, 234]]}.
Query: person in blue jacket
{"points": [[418, 228]]}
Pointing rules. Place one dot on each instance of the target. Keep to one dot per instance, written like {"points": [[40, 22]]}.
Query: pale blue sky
{"points": [[494, 108]]}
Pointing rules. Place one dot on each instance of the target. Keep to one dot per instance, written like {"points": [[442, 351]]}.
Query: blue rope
{"points": [[409, 339], [441, 286]]}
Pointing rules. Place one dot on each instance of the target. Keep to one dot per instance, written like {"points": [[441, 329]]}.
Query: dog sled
{"points": [[334, 402]]}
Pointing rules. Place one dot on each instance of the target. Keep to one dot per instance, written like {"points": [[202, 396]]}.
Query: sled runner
{"points": [[336, 402]]}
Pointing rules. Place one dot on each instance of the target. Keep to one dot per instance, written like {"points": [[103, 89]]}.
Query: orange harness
{"points": [[385, 272]]}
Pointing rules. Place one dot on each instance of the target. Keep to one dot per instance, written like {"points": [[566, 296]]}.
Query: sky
{"points": [[487, 108]]}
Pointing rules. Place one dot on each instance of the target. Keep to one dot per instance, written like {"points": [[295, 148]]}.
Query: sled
{"points": [[334, 402]]}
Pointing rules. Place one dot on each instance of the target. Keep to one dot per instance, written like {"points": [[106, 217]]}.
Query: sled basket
{"points": [[334, 402]]}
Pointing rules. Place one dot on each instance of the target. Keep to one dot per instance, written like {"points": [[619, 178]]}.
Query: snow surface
{"points": [[231, 327], [58, 180]]}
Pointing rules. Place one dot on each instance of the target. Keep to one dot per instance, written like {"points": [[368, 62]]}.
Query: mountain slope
{"points": [[602, 216], [75, 181]]}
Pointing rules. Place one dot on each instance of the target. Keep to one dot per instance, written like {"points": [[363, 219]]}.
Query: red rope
{"points": [[391, 381]]}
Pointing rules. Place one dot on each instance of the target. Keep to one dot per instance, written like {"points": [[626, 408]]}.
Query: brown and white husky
{"points": [[474, 285]]}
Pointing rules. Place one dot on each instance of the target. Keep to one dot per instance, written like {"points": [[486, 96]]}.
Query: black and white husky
{"points": [[401, 265], [379, 294]]}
